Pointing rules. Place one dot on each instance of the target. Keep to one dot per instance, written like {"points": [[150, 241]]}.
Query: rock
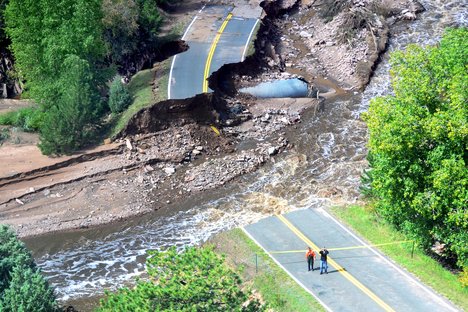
{"points": [[265, 117], [128, 144], [305, 34], [32, 190], [46, 192], [19, 201], [169, 170], [409, 16], [272, 150], [139, 179], [284, 120], [148, 168], [199, 148], [438, 248], [196, 152]]}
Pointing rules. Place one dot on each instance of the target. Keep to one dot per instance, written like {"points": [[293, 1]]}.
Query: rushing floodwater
{"points": [[328, 161]]}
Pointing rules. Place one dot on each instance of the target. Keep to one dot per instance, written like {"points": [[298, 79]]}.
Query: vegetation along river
{"points": [[327, 162]]}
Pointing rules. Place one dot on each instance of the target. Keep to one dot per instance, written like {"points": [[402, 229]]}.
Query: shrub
{"points": [[119, 96], [28, 119], [22, 287]]}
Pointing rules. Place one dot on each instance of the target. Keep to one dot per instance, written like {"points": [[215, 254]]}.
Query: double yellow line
{"points": [[340, 269], [212, 50]]}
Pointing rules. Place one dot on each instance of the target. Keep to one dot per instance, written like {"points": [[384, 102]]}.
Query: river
{"points": [[327, 162]]}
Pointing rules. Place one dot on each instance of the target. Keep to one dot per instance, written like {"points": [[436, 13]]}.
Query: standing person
{"points": [[310, 256], [323, 260]]}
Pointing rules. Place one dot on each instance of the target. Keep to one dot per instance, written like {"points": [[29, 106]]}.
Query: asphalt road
{"points": [[188, 69], [359, 279]]}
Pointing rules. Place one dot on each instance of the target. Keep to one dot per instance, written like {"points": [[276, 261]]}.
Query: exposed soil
{"points": [[179, 148]]}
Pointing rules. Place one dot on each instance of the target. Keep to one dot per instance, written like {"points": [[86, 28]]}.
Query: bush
{"points": [[28, 119], [119, 96], [22, 287]]}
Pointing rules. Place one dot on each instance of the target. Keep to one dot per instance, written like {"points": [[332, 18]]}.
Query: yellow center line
{"points": [[344, 248], [212, 50], [340, 269]]}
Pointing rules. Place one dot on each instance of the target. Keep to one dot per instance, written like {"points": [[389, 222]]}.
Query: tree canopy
{"points": [[66, 48], [418, 144], [22, 287], [195, 280], [59, 51]]}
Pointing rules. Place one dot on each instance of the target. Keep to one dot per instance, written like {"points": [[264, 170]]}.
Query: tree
{"points": [[131, 30], [3, 39], [67, 125], [120, 22], [22, 287], [119, 96], [418, 144], [59, 51], [44, 33], [195, 280]]}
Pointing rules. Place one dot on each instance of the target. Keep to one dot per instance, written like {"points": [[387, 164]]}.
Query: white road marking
{"points": [[174, 58], [248, 40]]}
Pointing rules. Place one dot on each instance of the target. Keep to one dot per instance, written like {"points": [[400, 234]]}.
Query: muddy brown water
{"points": [[323, 169]]}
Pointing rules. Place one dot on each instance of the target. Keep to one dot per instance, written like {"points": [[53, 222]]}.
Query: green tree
{"points": [[59, 51], [22, 287], [418, 144], [67, 125], [131, 30], [195, 280], [44, 33], [119, 96], [3, 40], [120, 22]]}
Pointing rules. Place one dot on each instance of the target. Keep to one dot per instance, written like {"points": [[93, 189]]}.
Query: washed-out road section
{"points": [[218, 35]]}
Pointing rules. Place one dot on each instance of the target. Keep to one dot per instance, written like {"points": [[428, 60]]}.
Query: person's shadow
{"points": [[330, 271]]}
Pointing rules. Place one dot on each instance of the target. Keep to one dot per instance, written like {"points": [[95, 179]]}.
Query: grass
{"points": [[365, 222], [8, 118], [28, 119], [141, 89], [275, 286]]}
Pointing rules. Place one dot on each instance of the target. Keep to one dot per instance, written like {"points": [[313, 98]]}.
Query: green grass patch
{"points": [[275, 286], [140, 88], [365, 222], [28, 119]]}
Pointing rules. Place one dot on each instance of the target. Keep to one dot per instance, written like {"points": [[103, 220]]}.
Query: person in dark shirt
{"points": [[323, 260]]}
